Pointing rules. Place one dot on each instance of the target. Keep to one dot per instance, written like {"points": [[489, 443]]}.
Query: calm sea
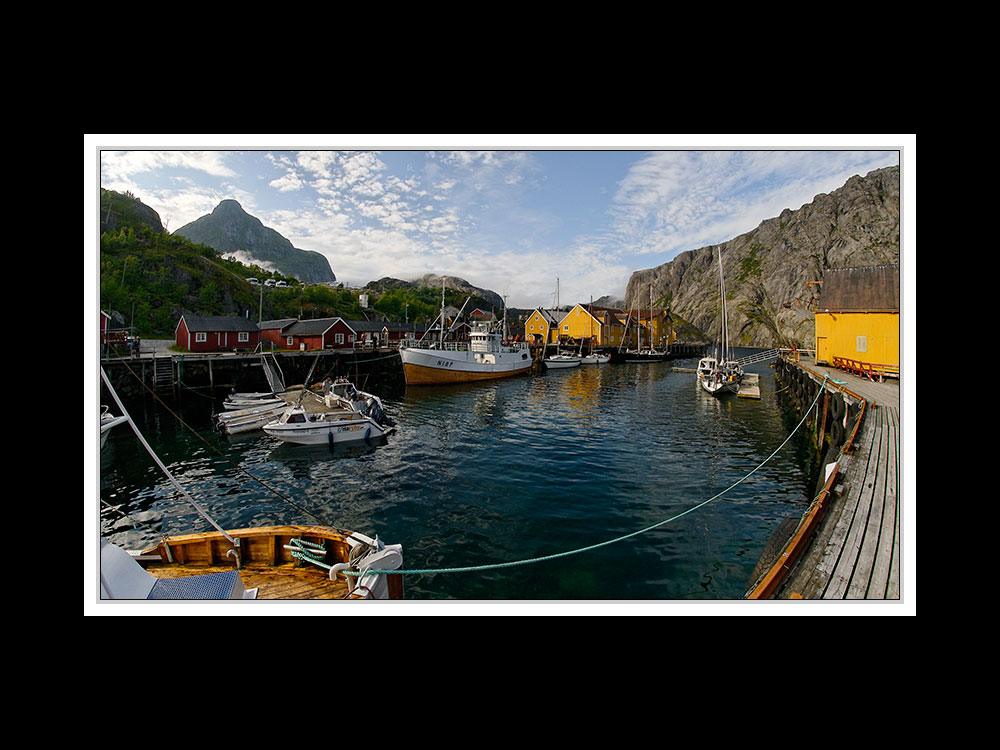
{"points": [[501, 472]]}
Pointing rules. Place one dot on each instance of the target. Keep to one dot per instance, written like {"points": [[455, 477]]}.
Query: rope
{"points": [[545, 558], [215, 448]]}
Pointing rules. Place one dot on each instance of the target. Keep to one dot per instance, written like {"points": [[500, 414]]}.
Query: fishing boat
{"points": [[485, 356], [719, 374], [268, 562]]}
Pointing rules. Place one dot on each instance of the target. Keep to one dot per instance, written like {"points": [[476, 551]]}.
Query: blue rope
{"points": [[495, 566]]}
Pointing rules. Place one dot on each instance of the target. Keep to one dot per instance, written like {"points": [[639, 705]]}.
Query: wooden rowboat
{"points": [[271, 562]]}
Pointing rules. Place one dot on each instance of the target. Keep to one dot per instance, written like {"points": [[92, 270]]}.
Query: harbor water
{"points": [[577, 484]]}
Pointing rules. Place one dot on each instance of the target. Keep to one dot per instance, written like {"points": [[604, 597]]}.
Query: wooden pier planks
{"points": [[860, 558]]}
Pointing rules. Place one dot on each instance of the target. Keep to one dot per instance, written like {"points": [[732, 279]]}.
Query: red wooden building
{"points": [[273, 331], [319, 333], [212, 333]]}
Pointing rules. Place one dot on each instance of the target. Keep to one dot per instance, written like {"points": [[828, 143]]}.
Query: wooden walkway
{"points": [[856, 551]]}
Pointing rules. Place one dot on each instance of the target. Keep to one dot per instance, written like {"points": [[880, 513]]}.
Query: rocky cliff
{"points": [[771, 272], [231, 230]]}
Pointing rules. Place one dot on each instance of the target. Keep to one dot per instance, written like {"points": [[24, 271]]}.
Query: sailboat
{"points": [[595, 357], [640, 353], [561, 360], [486, 356], [720, 373]]}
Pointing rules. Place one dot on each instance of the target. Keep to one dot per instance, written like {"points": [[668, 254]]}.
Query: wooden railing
{"points": [[874, 372]]}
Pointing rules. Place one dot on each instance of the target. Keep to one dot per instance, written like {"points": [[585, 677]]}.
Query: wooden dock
{"points": [[848, 542], [750, 386]]}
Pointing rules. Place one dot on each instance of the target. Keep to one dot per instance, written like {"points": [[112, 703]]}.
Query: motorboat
{"points": [[367, 420]]}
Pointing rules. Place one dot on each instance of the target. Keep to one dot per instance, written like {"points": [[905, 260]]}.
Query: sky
{"points": [[524, 216]]}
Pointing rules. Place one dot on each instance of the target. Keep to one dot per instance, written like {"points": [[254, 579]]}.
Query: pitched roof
{"points": [[868, 288], [278, 324], [313, 327], [552, 317], [217, 323]]}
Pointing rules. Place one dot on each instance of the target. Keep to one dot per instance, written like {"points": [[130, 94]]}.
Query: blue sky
{"points": [[508, 213]]}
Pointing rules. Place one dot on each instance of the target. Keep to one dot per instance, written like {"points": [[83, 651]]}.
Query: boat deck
{"points": [[289, 581]]}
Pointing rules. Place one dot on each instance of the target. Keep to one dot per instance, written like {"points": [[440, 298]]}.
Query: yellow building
{"points": [[542, 326], [857, 318]]}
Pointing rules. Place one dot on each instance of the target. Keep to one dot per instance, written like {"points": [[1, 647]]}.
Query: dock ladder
{"points": [[273, 373], [163, 373]]}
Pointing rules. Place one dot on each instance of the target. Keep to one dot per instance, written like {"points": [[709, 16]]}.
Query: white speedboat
{"points": [[296, 425], [596, 358]]}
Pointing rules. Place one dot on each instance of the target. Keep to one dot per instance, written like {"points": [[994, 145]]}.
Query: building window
{"points": [[339, 338], [862, 343], [201, 337], [289, 341], [244, 337]]}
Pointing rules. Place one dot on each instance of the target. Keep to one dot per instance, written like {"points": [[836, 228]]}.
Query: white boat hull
{"points": [[437, 366], [718, 379], [561, 361], [325, 432]]}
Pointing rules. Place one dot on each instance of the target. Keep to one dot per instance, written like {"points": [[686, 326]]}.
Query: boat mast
{"points": [[725, 326], [651, 317], [441, 337]]}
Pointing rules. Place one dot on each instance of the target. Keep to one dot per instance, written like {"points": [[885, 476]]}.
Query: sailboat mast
{"points": [[725, 321]]}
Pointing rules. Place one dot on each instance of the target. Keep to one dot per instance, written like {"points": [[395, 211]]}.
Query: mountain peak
{"points": [[231, 230]]}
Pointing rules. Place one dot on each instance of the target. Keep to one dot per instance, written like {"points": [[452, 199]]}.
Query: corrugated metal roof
{"points": [[868, 288]]}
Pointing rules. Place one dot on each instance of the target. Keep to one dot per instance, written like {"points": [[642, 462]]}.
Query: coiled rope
{"points": [[545, 558]]}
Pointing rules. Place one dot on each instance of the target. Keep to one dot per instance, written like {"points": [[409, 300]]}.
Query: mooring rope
{"points": [[557, 555]]}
